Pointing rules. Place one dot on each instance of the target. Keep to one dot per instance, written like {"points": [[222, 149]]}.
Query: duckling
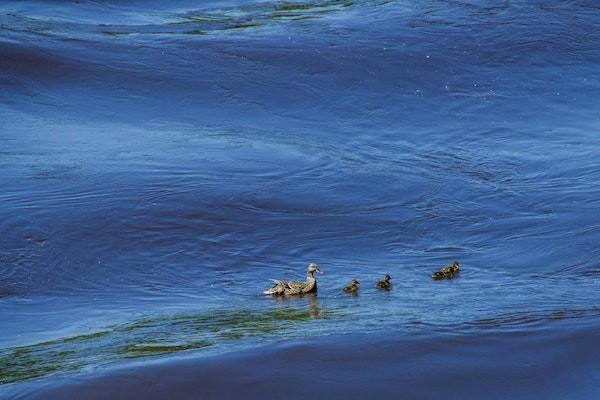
{"points": [[386, 283], [293, 288], [352, 287], [448, 272]]}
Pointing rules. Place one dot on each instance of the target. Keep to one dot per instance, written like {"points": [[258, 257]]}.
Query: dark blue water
{"points": [[161, 161]]}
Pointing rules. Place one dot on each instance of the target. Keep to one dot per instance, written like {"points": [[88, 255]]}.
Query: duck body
{"points": [[295, 288], [352, 287], [292, 288], [447, 272], [386, 283]]}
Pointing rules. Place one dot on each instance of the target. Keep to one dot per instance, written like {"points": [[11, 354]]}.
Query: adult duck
{"points": [[294, 288]]}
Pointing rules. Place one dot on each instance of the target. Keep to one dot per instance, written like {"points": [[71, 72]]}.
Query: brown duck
{"points": [[447, 272], [386, 283], [352, 287], [294, 288]]}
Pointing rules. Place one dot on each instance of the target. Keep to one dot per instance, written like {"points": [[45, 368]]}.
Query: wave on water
{"points": [[222, 330], [160, 162]]}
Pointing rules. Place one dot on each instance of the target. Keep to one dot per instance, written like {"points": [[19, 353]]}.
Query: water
{"points": [[161, 162]]}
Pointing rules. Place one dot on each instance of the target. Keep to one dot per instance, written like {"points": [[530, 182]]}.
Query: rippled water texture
{"points": [[161, 161]]}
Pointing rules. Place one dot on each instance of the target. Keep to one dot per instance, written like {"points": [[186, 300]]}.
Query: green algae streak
{"points": [[146, 350], [150, 337], [310, 6]]}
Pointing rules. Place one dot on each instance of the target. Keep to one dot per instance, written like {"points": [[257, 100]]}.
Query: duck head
{"points": [[312, 268], [387, 278], [354, 282]]}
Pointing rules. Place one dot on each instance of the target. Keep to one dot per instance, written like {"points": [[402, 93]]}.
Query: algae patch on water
{"points": [[146, 350], [255, 15], [26, 363], [151, 337], [289, 6], [202, 21]]}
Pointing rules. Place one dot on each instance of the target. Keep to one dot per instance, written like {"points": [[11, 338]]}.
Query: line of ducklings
{"points": [[294, 288]]}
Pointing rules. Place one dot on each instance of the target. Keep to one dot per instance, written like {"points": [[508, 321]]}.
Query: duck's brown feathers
{"points": [[293, 288], [352, 287], [386, 283], [447, 272]]}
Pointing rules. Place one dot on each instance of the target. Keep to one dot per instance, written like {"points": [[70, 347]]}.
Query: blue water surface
{"points": [[160, 159]]}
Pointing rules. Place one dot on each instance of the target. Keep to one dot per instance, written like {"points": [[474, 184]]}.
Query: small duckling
{"points": [[447, 272], [352, 287], [386, 283]]}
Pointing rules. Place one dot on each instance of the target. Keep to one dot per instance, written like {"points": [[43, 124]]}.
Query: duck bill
{"points": [[319, 271]]}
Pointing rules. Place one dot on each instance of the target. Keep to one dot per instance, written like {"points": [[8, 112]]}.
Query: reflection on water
{"points": [[311, 299]]}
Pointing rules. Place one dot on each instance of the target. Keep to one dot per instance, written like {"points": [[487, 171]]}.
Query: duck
{"points": [[294, 288], [352, 287], [386, 283], [447, 272]]}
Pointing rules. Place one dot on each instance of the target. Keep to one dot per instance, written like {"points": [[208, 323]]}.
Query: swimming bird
{"points": [[386, 283], [352, 287], [447, 272], [293, 288]]}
